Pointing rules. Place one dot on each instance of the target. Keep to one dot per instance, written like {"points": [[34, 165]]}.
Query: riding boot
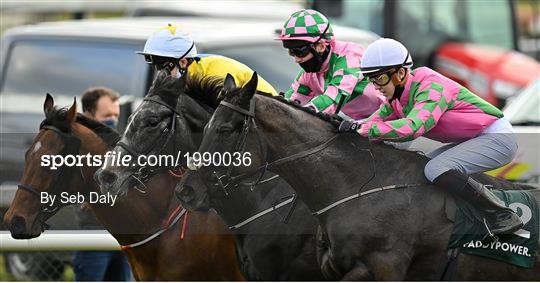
{"points": [[500, 219]]}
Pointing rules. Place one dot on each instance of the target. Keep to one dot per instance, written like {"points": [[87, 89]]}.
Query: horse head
{"points": [[225, 134], [48, 171], [159, 133]]}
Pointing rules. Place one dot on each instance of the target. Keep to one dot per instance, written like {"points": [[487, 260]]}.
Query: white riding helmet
{"points": [[384, 54], [170, 42]]}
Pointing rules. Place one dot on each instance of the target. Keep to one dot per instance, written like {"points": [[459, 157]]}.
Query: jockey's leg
{"points": [[450, 170], [501, 220]]}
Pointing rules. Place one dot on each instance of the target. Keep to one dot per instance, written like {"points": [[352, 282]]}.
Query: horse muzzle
{"points": [[17, 227]]}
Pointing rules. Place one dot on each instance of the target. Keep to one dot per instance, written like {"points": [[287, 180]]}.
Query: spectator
{"points": [[100, 104]]}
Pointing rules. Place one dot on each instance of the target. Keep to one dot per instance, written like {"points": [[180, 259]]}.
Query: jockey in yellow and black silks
{"points": [[172, 50]]}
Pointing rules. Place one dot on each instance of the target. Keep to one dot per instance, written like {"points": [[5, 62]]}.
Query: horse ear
{"points": [[251, 87], [48, 104], [72, 112], [229, 83]]}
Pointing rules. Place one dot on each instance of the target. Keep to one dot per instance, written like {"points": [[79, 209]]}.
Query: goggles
{"points": [[161, 63], [301, 51], [383, 79]]}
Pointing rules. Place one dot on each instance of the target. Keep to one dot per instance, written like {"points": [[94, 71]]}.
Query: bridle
{"points": [[62, 178], [234, 181], [227, 181], [144, 173]]}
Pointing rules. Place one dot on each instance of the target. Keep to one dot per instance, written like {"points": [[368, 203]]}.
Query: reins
{"points": [[234, 180]]}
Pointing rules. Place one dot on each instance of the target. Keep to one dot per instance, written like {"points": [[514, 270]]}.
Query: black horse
{"points": [[170, 120], [381, 217]]}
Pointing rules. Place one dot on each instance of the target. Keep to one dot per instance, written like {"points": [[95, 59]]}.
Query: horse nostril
{"points": [[185, 193], [17, 227], [107, 177]]}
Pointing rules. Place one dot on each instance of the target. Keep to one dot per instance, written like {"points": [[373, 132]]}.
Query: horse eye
{"points": [[225, 130], [153, 121]]}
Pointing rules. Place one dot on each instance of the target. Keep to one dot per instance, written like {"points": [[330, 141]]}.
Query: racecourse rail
{"points": [[54, 240], [61, 240]]}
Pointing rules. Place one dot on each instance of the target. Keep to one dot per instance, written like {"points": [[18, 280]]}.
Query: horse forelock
{"points": [[57, 118]]}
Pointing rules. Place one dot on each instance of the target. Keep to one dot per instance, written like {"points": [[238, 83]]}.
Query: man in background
{"points": [[101, 104]]}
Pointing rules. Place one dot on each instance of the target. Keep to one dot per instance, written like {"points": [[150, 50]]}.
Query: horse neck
{"points": [[136, 215], [244, 202], [348, 163], [288, 130]]}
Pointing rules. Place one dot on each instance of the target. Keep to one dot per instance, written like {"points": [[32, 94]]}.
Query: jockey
{"points": [[422, 102], [172, 50], [330, 75]]}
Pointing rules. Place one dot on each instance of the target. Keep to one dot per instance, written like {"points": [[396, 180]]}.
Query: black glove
{"points": [[347, 126]]}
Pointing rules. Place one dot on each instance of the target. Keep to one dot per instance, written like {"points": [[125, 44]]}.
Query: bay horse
{"points": [[160, 244], [273, 244], [381, 219]]}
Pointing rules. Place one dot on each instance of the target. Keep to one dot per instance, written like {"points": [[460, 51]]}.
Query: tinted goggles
{"points": [[383, 78], [301, 51], [159, 62]]}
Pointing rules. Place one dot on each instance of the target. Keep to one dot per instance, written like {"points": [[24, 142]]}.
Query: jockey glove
{"points": [[347, 126]]}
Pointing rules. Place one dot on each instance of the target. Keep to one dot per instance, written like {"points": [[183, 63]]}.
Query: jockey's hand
{"points": [[347, 126], [282, 94]]}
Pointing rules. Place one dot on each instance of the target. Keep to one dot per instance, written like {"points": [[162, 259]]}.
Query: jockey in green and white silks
{"points": [[330, 68], [422, 102]]}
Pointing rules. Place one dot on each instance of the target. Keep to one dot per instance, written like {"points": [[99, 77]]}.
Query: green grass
{"points": [[68, 274], [4, 275]]}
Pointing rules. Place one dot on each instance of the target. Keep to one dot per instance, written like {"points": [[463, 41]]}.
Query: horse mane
{"points": [[335, 120], [332, 119], [57, 118], [205, 90], [166, 87]]}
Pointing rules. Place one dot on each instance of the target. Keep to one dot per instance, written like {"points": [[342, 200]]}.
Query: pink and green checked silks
{"points": [[433, 106], [339, 76]]}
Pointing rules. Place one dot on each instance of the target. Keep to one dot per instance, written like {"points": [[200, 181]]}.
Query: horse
{"points": [[272, 245], [380, 217], [153, 230]]}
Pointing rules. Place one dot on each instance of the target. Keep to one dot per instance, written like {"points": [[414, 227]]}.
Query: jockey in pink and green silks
{"points": [[330, 73], [422, 102]]}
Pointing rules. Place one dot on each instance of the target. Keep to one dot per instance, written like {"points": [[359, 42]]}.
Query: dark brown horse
{"points": [[382, 219], [192, 246]]}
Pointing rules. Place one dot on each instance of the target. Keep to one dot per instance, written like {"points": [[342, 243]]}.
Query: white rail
{"points": [[61, 240]]}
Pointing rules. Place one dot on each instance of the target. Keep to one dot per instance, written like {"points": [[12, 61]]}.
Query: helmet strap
{"points": [[186, 53], [322, 34]]}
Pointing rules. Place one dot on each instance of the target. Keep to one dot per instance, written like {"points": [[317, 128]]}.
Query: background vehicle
{"points": [[524, 114], [268, 9], [65, 58], [472, 42]]}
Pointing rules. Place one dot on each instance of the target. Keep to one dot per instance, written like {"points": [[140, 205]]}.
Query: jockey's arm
{"points": [[339, 89], [419, 120]]}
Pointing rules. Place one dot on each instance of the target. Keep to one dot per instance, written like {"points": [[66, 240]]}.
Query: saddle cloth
{"points": [[520, 248]]}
